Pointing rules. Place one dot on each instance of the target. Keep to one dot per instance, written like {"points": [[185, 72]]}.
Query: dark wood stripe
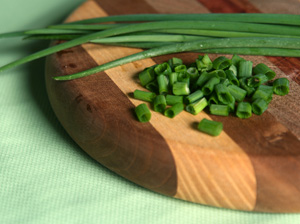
{"points": [[273, 150], [101, 120]]}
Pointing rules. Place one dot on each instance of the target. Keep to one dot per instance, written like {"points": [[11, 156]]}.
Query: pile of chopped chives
{"points": [[224, 86]]}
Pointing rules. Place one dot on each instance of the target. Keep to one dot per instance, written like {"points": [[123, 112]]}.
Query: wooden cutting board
{"points": [[253, 165]]}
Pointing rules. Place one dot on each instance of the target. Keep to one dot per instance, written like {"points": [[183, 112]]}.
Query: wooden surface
{"points": [[253, 165]]}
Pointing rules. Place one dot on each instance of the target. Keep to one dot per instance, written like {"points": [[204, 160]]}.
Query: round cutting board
{"points": [[253, 165]]}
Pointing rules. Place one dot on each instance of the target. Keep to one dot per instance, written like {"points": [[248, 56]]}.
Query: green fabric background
{"points": [[44, 176]]}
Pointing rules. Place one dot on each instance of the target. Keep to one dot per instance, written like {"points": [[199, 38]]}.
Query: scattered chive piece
{"points": [[152, 86], [203, 78], [235, 60], [219, 73], [172, 99], [231, 105], [174, 110], [281, 86], [181, 88], [244, 110], [225, 81], [213, 128], [173, 78], [221, 63], [183, 77], [257, 80], [213, 99], [196, 107], [163, 68], [162, 84], [238, 93], [264, 92], [159, 103], [198, 94], [221, 110], [223, 94], [146, 76], [193, 73], [204, 63], [209, 86], [173, 62], [143, 95], [232, 77], [259, 106], [233, 68], [243, 85], [264, 69], [143, 113], [245, 69], [180, 68]]}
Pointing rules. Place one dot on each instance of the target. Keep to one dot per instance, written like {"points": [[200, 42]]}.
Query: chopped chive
{"points": [[233, 68], [172, 99], [183, 77], [238, 93], [232, 77], [281, 86], [146, 76], [193, 73], [152, 86], [173, 78], [213, 128], [221, 110], [219, 72], [257, 80], [181, 88], [245, 69], [162, 84], [174, 110], [204, 63], [244, 110], [221, 63], [264, 69], [259, 106], [236, 60], [159, 103], [213, 99], [223, 94], [243, 85], [225, 81], [143, 113], [210, 85], [196, 107], [264, 92], [203, 78], [173, 62], [143, 95], [163, 68], [180, 68], [231, 105], [198, 94]]}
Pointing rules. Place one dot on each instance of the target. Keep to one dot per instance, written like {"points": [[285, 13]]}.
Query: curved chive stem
{"points": [[264, 69], [210, 85], [244, 110], [163, 68], [243, 85], [143, 95], [197, 106], [174, 110], [240, 17], [146, 76], [232, 78], [245, 69], [281, 86], [159, 103], [143, 113], [221, 63], [221, 110], [162, 84], [172, 99], [264, 92], [213, 128], [238, 93], [257, 80], [181, 88], [223, 94], [259, 106], [198, 94]]}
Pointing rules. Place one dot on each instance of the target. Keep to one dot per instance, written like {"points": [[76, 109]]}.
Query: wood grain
{"points": [[253, 165]]}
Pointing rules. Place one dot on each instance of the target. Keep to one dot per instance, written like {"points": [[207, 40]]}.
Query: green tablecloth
{"points": [[44, 176]]}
